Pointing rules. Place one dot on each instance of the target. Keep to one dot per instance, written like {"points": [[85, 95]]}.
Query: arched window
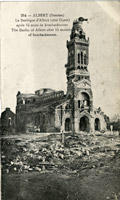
{"points": [[78, 58], [97, 124], [67, 106], [78, 103], [9, 121], [68, 125], [34, 100], [84, 99], [28, 101], [81, 57], [84, 124], [85, 59]]}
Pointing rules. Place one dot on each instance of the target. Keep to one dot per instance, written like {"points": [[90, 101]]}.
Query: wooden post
{"points": [[62, 137]]}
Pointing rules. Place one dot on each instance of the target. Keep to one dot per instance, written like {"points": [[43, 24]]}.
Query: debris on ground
{"points": [[79, 151]]}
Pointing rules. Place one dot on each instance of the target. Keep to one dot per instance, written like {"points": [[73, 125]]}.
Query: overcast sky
{"points": [[31, 63]]}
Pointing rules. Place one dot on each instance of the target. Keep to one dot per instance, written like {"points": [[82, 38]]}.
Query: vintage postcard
{"points": [[60, 100]]}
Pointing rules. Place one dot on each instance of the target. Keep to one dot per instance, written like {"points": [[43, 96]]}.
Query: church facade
{"points": [[48, 110]]}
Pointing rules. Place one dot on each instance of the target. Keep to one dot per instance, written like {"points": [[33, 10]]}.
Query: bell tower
{"points": [[78, 77]]}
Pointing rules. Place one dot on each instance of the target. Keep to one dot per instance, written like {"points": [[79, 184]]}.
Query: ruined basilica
{"points": [[48, 110]]}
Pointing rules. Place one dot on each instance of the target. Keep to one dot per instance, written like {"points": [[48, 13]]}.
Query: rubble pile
{"points": [[78, 152]]}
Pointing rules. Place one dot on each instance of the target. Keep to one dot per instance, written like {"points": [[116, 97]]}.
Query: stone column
{"points": [[76, 124]]}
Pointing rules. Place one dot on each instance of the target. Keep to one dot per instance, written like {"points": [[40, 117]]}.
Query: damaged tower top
{"points": [[77, 30]]}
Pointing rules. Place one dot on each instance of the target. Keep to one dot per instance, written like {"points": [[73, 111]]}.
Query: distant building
{"points": [[36, 112], [7, 120], [51, 111]]}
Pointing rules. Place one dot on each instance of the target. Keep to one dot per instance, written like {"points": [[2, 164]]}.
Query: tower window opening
{"points": [[78, 58], [78, 103], [78, 67], [80, 34], [85, 59], [81, 57]]}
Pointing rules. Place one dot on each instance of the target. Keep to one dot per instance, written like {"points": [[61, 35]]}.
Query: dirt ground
{"points": [[41, 167]]}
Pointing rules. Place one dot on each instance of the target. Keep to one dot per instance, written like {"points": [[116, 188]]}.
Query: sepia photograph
{"points": [[60, 100]]}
